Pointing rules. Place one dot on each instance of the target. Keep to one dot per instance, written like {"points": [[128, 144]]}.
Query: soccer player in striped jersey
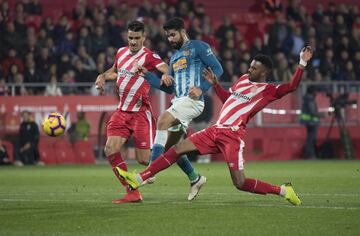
{"points": [[245, 98], [133, 115], [186, 65]]}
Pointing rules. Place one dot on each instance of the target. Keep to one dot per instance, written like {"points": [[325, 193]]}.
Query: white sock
{"points": [[161, 137], [138, 178], [282, 191]]}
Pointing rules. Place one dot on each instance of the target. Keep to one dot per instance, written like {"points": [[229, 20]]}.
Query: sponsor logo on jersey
{"points": [[180, 64], [122, 73], [241, 96]]}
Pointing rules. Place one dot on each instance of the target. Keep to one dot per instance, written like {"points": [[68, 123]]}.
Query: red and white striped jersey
{"points": [[247, 98], [133, 90]]}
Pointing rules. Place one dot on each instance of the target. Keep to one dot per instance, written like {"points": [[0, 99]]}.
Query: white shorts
{"points": [[185, 110]]}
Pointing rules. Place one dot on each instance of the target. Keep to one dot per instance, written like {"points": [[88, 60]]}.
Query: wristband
{"points": [[302, 62]]}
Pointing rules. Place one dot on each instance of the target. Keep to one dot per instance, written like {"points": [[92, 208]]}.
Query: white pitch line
{"points": [[199, 202], [170, 194]]}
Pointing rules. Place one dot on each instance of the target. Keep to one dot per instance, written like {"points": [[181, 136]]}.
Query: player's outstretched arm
{"points": [[209, 75], [110, 74], [154, 80], [305, 56]]}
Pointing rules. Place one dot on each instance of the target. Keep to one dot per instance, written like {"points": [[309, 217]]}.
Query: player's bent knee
{"points": [[239, 184], [109, 150]]}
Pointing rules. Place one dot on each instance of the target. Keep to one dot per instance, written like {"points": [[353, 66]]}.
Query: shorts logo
{"points": [[143, 144], [231, 164]]}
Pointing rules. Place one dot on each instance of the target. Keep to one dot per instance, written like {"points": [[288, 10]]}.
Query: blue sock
{"points": [[185, 165], [157, 150]]}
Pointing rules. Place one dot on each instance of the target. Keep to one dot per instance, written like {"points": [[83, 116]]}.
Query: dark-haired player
{"points": [[133, 115], [186, 65], [245, 98]]}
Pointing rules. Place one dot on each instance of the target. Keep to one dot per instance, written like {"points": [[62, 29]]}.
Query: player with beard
{"points": [[245, 98], [186, 65]]}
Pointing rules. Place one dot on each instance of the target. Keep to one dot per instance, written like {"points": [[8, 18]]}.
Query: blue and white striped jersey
{"points": [[187, 64]]}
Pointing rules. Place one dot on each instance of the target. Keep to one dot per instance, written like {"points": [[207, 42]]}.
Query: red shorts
{"points": [[141, 124], [217, 139]]}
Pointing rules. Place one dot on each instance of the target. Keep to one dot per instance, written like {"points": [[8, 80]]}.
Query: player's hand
{"points": [[305, 55], [141, 70], [209, 75], [166, 79], [195, 93], [100, 82]]}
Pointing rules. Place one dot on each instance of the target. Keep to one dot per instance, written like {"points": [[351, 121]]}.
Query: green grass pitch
{"points": [[76, 200]]}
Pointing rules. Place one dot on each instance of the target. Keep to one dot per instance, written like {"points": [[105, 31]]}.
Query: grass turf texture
{"points": [[76, 200]]}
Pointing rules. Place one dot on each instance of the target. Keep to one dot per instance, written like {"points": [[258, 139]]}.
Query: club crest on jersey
{"points": [[186, 52], [156, 56]]}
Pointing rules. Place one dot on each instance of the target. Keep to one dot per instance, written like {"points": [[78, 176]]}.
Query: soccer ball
{"points": [[54, 124]]}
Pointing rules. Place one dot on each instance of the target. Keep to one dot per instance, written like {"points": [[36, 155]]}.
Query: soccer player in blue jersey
{"points": [[185, 72]]}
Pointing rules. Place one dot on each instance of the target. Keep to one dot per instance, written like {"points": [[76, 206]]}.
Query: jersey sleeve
{"points": [[208, 58], [285, 88], [153, 60]]}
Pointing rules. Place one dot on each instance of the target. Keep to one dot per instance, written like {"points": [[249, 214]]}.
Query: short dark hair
{"points": [[175, 23], [136, 26], [265, 60]]}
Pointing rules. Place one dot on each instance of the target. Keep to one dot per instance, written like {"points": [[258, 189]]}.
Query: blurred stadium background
{"points": [[52, 50]]}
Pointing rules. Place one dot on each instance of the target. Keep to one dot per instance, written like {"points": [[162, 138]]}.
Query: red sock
{"points": [[162, 162], [117, 161], [259, 187]]}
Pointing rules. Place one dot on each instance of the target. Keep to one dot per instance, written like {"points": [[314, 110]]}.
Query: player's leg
{"points": [[117, 135], [112, 153], [161, 163], [196, 180], [183, 162], [202, 141], [232, 149], [165, 121]]}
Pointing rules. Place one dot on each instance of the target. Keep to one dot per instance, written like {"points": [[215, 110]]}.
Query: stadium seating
{"points": [[47, 151], [64, 152], [84, 152], [10, 148]]}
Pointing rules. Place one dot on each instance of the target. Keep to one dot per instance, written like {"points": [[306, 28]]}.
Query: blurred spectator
{"points": [[272, 7], [13, 71], [32, 75], [52, 89], [33, 7], [65, 64], [100, 43], [43, 63], [66, 44], [327, 65], [282, 72], [80, 129], [347, 73], [318, 13], [310, 118], [10, 60], [28, 152], [293, 10], [20, 89], [4, 90], [278, 32], [84, 39], [67, 81], [229, 71], [87, 62], [4, 155], [224, 27]]}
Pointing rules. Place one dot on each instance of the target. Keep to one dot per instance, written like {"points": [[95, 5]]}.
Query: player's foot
{"points": [[130, 178], [290, 194], [132, 197], [195, 187]]}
